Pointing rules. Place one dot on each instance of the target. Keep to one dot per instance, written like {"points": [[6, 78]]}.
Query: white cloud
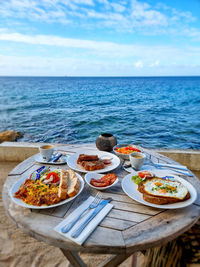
{"points": [[118, 8], [155, 63], [126, 16], [139, 64], [25, 66], [100, 49], [185, 15]]}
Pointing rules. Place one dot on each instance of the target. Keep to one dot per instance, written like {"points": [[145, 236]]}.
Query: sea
{"points": [[154, 112]]}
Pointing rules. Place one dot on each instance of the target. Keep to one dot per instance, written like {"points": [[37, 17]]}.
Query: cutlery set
{"points": [[98, 204], [174, 168]]}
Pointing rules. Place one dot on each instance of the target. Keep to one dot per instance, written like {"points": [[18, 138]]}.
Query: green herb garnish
{"points": [[136, 179]]}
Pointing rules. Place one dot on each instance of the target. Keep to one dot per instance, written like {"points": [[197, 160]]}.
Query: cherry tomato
{"points": [[55, 177]]}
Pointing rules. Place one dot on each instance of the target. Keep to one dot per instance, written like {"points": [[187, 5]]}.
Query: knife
{"points": [[55, 158], [183, 168], [102, 204]]}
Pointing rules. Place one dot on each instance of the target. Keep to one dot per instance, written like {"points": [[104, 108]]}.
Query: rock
{"points": [[10, 136], [19, 135]]}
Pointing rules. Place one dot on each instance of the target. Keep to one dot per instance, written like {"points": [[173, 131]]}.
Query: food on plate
{"points": [[92, 162], [37, 193], [84, 157], [145, 174], [51, 188], [104, 181], [92, 165], [63, 184], [73, 184], [141, 176], [127, 149], [161, 191]]}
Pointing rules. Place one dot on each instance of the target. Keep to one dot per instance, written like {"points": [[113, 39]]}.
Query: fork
{"points": [[93, 205], [179, 172], [174, 170]]}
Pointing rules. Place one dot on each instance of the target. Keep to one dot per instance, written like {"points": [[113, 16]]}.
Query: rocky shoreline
{"points": [[10, 136]]}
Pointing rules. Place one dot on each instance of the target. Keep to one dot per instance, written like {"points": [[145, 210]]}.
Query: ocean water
{"points": [[151, 111]]}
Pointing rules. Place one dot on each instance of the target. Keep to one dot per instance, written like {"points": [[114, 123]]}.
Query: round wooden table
{"points": [[129, 227]]}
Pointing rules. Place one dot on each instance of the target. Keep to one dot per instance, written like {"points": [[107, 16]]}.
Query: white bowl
{"points": [[122, 155], [95, 175]]}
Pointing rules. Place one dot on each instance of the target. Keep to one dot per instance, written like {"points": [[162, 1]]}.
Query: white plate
{"points": [[38, 158], [130, 188], [72, 161], [19, 202], [95, 175]]}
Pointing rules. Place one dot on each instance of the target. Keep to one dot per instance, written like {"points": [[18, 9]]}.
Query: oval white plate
{"points": [[19, 202], [72, 161], [95, 175], [130, 188]]}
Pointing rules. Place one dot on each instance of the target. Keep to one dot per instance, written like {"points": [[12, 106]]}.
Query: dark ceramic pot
{"points": [[106, 142]]}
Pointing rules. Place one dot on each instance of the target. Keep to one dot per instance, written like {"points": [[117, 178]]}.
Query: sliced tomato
{"points": [[145, 174], [55, 177]]}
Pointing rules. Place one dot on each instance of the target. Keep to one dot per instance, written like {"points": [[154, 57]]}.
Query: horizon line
{"points": [[85, 76]]}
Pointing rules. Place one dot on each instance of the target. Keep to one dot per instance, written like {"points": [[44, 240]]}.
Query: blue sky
{"points": [[99, 37]]}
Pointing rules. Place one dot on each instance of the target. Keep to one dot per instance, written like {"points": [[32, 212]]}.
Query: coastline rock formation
{"points": [[10, 136]]}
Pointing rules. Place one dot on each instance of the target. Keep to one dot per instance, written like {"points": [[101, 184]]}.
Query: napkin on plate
{"points": [[91, 225]]}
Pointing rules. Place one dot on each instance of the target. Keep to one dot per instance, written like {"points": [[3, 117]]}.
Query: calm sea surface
{"points": [[154, 112]]}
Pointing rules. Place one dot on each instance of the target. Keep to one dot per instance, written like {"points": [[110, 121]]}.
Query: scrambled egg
{"points": [[37, 193]]}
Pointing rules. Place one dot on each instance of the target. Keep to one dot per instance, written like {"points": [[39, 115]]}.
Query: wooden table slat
{"points": [[117, 224], [139, 208], [23, 166], [127, 215]]}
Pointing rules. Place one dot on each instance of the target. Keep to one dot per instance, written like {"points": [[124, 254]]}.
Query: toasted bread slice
{"points": [[92, 165], [159, 191], [84, 157], [163, 200], [63, 185], [73, 184]]}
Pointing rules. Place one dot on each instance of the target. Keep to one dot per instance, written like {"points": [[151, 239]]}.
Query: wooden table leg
{"points": [[73, 258], [76, 261], [114, 260]]}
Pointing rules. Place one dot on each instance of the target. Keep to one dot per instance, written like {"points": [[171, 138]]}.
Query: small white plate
{"points": [[115, 162], [130, 188], [95, 175], [62, 160], [19, 202]]}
